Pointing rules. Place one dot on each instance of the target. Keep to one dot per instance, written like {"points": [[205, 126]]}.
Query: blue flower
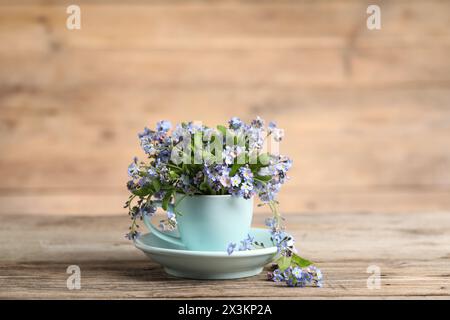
{"points": [[298, 277], [133, 235], [228, 155], [297, 273], [247, 243], [246, 173], [164, 156], [278, 236], [277, 276], [164, 176], [145, 133], [280, 239], [315, 273], [291, 282], [147, 138], [271, 222], [152, 172], [255, 138], [223, 170], [209, 173], [142, 182], [148, 210], [231, 248], [148, 148], [268, 192], [235, 180], [235, 123], [307, 276], [318, 275], [170, 214], [131, 185], [246, 189], [287, 272], [265, 171], [192, 127], [283, 166], [272, 125], [250, 238], [159, 195], [133, 170], [163, 125], [258, 122]]}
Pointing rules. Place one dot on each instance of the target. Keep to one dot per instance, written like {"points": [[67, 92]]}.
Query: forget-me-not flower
{"points": [[231, 248], [163, 125]]}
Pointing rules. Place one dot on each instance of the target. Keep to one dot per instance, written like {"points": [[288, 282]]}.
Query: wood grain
{"points": [[366, 112], [353, 152], [411, 251], [221, 24]]}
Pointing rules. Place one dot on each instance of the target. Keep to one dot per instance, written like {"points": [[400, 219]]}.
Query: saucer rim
{"points": [[248, 253]]}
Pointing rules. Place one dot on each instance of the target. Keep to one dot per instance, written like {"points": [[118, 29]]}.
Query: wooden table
{"points": [[411, 250]]}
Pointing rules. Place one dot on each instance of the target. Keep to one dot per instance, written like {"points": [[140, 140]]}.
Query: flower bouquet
{"points": [[197, 169]]}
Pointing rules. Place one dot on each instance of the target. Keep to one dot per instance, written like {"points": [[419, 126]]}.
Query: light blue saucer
{"points": [[183, 263]]}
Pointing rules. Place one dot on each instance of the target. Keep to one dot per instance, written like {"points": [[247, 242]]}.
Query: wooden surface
{"points": [[366, 113], [411, 251]]}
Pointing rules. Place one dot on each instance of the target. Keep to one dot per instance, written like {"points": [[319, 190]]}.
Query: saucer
{"points": [[183, 263]]}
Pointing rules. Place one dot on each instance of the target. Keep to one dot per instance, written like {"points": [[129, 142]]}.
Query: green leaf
{"points": [[235, 168], [203, 186], [173, 174], [263, 159], [156, 184], [284, 263], [142, 192], [299, 261], [263, 178], [166, 200], [174, 167], [222, 129]]}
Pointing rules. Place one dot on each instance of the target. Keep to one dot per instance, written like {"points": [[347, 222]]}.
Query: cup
{"points": [[208, 222]]}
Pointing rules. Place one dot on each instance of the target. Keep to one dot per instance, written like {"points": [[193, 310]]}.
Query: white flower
{"points": [[278, 134]]}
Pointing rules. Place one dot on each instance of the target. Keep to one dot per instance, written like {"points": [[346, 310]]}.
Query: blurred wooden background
{"points": [[367, 113]]}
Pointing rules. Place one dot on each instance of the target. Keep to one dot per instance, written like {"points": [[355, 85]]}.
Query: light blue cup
{"points": [[208, 223]]}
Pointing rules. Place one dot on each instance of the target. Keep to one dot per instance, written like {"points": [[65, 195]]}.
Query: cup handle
{"points": [[163, 236]]}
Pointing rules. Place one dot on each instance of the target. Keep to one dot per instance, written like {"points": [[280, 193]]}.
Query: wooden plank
{"points": [[190, 46], [337, 138], [222, 24], [67, 69], [311, 67], [320, 199], [138, 280], [411, 253]]}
